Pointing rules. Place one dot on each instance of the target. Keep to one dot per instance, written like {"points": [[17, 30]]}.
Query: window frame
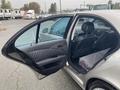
{"points": [[38, 22]]}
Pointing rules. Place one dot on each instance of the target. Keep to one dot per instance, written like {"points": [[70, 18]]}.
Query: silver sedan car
{"points": [[85, 44]]}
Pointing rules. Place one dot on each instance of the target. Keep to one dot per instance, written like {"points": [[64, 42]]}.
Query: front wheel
{"points": [[100, 85]]}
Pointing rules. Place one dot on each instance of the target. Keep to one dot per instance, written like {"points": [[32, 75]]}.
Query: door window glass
{"points": [[53, 29]]}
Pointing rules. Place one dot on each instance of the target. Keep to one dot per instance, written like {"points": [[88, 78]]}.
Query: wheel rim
{"points": [[98, 89]]}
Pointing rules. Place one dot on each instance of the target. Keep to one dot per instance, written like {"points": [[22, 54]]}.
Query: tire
{"points": [[100, 85]]}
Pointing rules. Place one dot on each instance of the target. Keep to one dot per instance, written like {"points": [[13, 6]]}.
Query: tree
{"points": [[35, 6], [8, 5], [32, 6], [116, 6], [5, 5], [53, 8], [25, 7]]}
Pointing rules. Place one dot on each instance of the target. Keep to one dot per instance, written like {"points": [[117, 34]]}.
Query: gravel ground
{"points": [[15, 76]]}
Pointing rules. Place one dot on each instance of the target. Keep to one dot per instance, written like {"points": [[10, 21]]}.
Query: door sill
{"points": [[79, 78]]}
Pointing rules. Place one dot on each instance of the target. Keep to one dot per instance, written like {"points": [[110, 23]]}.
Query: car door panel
{"points": [[47, 51], [42, 51]]}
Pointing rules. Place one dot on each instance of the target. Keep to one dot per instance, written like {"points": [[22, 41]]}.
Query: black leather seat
{"points": [[106, 40], [83, 44]]}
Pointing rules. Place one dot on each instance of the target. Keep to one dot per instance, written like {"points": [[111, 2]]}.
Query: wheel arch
{"points": [[95, 79]]}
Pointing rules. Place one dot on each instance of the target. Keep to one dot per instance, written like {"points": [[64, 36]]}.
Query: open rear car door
{"points": [[41, 45]]}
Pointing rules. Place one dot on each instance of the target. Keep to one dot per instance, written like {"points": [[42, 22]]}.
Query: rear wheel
{"points": [[100, 85]]}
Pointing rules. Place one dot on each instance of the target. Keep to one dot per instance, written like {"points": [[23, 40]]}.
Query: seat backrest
{"points": [[84, 46], [106, 40], [89, 37], [88, 27]]}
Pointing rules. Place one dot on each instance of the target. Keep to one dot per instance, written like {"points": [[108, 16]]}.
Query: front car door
{"points": [[41, 45]]}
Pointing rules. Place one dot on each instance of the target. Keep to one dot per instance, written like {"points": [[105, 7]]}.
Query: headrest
{"points": [[88, 27]]}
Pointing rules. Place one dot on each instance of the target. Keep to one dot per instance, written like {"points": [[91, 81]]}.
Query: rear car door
{"points": [[41, 45]]}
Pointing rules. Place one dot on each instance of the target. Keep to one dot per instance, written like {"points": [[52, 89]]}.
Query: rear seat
{"points": [[106, 43], [88, 62]]}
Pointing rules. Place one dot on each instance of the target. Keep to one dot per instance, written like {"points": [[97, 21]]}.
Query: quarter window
{"points": [[27, 39]]}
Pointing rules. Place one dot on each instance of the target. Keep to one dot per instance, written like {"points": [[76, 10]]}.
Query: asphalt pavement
{"points": [[15, 76]]}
